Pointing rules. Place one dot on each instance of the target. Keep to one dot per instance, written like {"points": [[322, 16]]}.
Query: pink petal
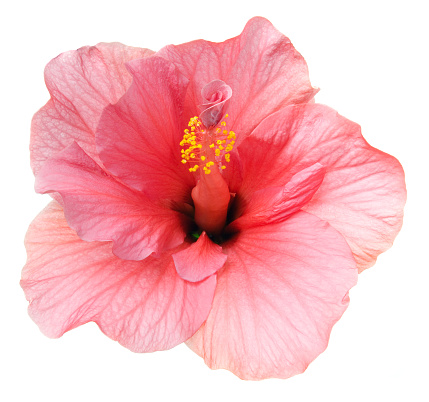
{"points": [[100, 208], [261, 66], [139, 137], [363, 192], [144, 305], [280, 292], [275, 204], [81, 84], [200, 260]]}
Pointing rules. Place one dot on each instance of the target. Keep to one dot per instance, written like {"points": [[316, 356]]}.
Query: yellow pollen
{"points": [[206, 148]]}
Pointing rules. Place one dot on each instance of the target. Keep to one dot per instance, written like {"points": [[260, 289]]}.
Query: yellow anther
{"points": [[196, 135]]}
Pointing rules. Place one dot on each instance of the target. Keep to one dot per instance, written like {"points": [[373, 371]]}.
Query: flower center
{"points": [[206, 144], [206, 148]]}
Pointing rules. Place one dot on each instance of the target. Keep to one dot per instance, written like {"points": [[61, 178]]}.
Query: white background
{"points": [[370, 59]]}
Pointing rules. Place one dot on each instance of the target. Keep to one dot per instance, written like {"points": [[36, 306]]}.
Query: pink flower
{"points": [[202, 196]]}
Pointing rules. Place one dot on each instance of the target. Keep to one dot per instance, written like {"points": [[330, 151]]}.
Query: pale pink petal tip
{"points": [[282, 289], [200, 260], [363, 191], [144, 305], [261, 66], [81, 84]]}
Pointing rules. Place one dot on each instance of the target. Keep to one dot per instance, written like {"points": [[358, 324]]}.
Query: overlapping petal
{"points": [[280, 292], [81, 84], [138, 138], [200, 260], [144, 305], [261, 66], [363, 191], [275, 204], [100, 208]]}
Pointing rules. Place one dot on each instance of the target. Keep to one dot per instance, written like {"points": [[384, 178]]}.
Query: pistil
{"points": [[211, 199], [206, 150]]}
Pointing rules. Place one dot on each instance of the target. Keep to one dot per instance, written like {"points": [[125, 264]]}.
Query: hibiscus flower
{"points": [[201, 195]]}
